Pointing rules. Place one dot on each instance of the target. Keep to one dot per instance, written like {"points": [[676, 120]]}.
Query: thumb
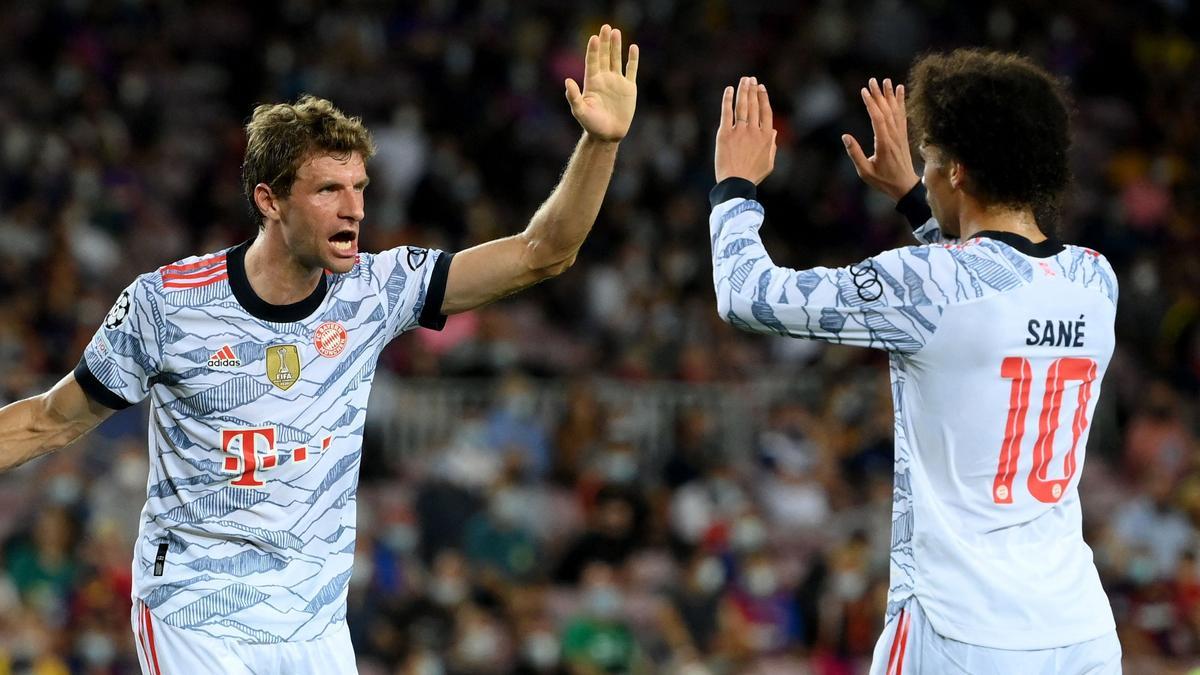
{"points": [[574, 96], [861, 164]]}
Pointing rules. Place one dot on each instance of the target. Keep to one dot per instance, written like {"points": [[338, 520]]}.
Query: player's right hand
{"points": [[890, 169], [746, 138]]}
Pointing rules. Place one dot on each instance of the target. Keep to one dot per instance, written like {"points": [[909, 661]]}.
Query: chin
{"points": [[341, 265]]}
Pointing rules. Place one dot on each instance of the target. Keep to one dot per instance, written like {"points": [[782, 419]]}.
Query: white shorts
{"points": [[167, 650], [910, 646]]}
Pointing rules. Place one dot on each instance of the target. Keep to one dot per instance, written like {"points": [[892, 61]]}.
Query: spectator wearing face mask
{"points": [[690, 615], [497, 540], [599, 639], [758, 614]]}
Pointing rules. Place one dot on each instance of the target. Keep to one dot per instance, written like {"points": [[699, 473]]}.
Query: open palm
{"points": [[605, 105]]}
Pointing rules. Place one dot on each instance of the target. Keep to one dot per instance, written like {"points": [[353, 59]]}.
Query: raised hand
{"points": [[605, 105], [746, 138], [890, 169]]}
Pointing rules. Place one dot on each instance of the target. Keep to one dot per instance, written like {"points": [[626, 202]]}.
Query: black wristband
{"points": [[731, 188], [913, 206]]}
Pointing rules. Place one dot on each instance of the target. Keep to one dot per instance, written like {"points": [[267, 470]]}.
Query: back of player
{"points": [[997, 344], [995, 411]]}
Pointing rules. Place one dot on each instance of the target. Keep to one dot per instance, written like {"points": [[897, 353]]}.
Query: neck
{"points": [[977, 218], [275, 274]]}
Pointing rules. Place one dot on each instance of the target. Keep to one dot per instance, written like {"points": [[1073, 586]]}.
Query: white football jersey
{"points": [[256, 425], [997, 347]]}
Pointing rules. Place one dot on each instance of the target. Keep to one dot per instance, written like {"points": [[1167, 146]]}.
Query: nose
{"points": [[352, 206]]}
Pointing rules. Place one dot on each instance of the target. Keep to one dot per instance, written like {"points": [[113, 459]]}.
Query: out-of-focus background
{"points": [[596, 476]]}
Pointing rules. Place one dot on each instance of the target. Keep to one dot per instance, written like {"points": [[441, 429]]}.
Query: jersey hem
{"points": [[1013, 640]]}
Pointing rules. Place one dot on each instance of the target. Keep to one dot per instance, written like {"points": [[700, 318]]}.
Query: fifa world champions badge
{"points": [[283, 365], [330, 338]]}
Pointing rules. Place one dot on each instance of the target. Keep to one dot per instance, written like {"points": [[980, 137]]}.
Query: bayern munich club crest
{"points": [[330, 338]]}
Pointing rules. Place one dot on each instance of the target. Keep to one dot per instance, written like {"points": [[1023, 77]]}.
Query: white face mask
{"points": [[603, 602], [401, 538], [541, 649], [749, 534], [709, 576], [96, 648], [761, 581], [429, 664], [849, 585], [447, 591], [480, 646]]}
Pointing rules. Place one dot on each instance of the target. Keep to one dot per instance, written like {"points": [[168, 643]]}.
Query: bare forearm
{"points": [[24, 433], [560, 226], [41, 424]]}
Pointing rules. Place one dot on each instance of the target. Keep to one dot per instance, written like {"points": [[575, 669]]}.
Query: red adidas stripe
{"points": [[195, 284], [903, 646], [227, 353], [150, 638], [194, 266], [897, 640], [199, 274]]}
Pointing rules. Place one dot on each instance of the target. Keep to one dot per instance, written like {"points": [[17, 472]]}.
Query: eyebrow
{"points": [[333, 183]]}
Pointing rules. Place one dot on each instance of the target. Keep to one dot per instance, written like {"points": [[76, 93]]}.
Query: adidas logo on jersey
{"points": [[224, 358]]}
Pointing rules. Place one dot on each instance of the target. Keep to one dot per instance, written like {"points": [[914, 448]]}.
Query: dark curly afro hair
{"points": [[1002, 117]]}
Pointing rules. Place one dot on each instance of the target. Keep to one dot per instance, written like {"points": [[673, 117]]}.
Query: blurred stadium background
{"points": [[596, 476]]}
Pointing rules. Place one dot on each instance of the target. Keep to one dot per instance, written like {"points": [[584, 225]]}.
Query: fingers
{"points": [[899, 111], [879, 121], [573, 94], [615, 51], [766, 118], [742, 105], [631, 67], [591, 61], [857, 156], [752, 102], [727, 108], [605, 52]]}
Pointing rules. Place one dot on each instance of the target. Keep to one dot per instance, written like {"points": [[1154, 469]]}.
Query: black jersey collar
{"points": [[256, 306], [1043, 249]]}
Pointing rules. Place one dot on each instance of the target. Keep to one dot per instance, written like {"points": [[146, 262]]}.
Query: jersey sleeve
{"points": [[123, 358], [413, 280], [892, 301]]}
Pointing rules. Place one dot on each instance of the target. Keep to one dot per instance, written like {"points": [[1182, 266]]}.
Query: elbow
{"points": [[553, 269], [541, 263]]}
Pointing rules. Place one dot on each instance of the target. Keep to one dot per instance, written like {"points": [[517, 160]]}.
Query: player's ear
{"points": [[267, 201], [957, 173]]}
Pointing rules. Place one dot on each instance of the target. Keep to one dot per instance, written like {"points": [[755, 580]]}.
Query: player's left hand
{"points": [[605, 105], [746, 139]]}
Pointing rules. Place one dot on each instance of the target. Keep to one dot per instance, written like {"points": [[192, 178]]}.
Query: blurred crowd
{"points": [[547, 543]]}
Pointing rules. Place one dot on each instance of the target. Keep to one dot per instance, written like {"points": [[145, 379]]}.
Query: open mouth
{"points": [[344, 241]]}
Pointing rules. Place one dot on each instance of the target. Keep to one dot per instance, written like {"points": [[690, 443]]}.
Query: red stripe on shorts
{"points": [[897, 641], [150, 638]]}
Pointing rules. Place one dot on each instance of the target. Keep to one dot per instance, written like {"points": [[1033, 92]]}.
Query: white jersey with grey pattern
{"points": [[256, 422], [986, 520]]}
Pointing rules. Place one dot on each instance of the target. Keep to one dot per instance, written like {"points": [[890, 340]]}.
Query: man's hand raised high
{"points": [[745, 137], [605, 105], [890, 169]]}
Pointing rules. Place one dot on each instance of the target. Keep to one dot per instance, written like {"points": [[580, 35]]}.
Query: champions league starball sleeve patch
{"points": [[120, 310]]}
